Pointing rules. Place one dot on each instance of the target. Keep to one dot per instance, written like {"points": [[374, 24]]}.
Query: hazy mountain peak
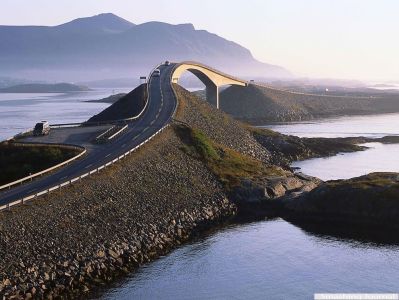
{"points": [[106, 46], [106, 22]]}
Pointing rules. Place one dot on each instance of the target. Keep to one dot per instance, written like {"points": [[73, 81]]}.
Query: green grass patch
{"points": [[17, 162], [227, 164]]}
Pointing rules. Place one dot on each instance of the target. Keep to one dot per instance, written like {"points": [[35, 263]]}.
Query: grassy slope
{"points": [[228, 165]]}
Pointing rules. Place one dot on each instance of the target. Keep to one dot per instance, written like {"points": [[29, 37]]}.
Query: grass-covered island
{"points": [[45, 88], [369, 200], [19, 161]]}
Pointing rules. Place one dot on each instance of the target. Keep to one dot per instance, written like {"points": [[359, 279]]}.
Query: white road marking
{"points": [[88, 166], [31, 191], [63, 177], [107, 155], [123, 145]]}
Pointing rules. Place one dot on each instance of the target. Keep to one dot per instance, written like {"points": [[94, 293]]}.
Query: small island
{"points": [[45, 88]]}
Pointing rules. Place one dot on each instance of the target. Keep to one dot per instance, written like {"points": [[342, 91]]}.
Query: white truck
{"points": [[41, 128]]}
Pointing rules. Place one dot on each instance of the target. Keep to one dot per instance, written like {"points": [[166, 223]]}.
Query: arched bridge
{"points": [[211, 78]]}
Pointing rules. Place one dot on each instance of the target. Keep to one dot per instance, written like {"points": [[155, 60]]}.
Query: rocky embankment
{"points": [[260, 105], [203, 170]]}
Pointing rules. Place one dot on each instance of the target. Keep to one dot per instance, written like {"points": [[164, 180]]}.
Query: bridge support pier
{"points": [[212, 94]]}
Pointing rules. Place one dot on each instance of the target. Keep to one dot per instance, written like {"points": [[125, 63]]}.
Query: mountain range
{"points": [[107, 46]]}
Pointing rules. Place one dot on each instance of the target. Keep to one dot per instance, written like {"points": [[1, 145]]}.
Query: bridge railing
{"points": [[213, 70]]}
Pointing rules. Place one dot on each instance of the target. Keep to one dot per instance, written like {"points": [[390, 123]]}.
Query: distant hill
{"points": [[107, 46], [260, 105], [44, 88]]}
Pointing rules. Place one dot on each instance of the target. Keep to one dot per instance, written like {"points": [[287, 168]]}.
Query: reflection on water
{"points": [[270, 259], [19, 112]]}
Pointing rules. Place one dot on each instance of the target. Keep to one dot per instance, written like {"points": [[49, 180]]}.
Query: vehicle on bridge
{"points": [[156, 73], [41, 128], [167, 63]]}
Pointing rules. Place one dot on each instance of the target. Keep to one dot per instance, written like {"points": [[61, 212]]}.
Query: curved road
{"points": [[158, 113]]}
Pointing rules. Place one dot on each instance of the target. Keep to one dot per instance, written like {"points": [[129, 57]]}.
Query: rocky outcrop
{"points": [[371, 200], [264, 198], [285, 149]]}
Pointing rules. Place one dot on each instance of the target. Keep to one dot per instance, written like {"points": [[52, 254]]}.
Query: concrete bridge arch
{"points": [[211, 78]]}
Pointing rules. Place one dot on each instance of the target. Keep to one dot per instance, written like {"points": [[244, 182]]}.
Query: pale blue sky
{"points": [[318, 38]]}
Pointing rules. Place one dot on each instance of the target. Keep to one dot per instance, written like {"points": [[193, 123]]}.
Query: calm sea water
{"points": [[275, 259], [378, 158], [19, 112]]}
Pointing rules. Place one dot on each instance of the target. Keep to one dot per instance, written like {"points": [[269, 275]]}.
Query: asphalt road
{"points": [[158, 113]]}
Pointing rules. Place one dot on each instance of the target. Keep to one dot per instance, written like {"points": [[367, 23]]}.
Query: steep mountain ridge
{"points": [[107, 46]]}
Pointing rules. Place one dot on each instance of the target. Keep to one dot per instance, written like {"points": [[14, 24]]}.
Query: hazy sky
{"points": [[318, 38]]}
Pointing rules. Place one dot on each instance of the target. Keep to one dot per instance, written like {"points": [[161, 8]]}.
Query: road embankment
{"points": [[201, 171]]}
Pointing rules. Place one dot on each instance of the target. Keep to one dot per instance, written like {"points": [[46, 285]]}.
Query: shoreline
{"points": [[179, 185]]}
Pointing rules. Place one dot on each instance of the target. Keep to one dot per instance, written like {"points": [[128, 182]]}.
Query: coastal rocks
{"points": [[286, 148], [370, 200], [264, 197]]}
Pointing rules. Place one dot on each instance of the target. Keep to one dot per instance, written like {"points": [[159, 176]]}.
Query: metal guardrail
{"points": [[30, 177], [78, 178], [112, 121], [68, 182]]}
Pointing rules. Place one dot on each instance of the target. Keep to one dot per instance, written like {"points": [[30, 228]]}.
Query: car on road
{"points": [[156, 73], [167, 63], [41, 128]]}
